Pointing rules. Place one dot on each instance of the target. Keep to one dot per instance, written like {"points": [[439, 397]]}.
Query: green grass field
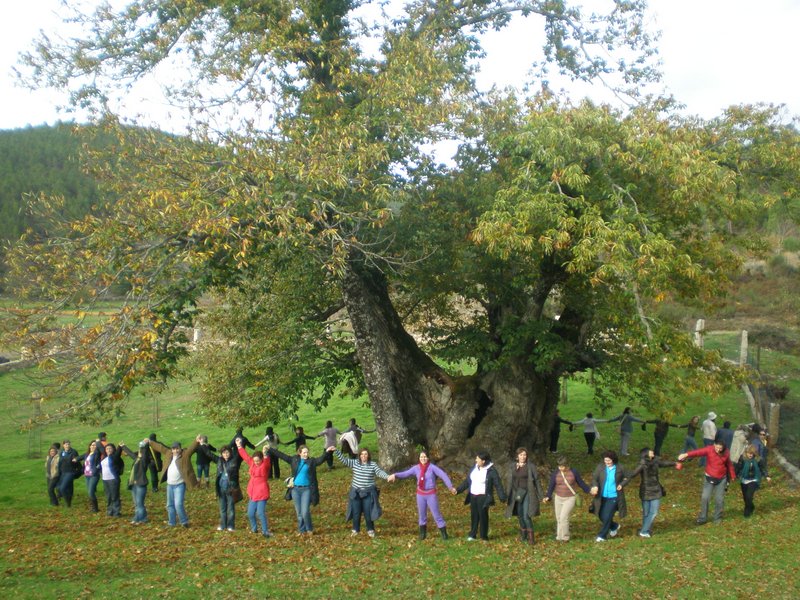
{"points": [[48, 552]]}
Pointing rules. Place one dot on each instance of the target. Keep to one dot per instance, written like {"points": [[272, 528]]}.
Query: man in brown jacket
{"points": [[177, 471]]}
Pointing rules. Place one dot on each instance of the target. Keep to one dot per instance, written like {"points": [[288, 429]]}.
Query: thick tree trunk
{"points": [[417, 404]]}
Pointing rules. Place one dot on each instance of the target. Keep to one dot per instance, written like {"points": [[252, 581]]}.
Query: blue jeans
{"points": [[523, 512], [689, 443], [608, 506], [91, 486], [139, 492], [362, 505], [202, 471], [175, 496], [649, 512], [227, 509], [258, 508], [301, 496]]}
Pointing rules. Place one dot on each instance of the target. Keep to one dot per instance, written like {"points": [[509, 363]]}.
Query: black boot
{"points": [[68, 501], [423, 532], [93, 504], [523, 535], [443, 533]]}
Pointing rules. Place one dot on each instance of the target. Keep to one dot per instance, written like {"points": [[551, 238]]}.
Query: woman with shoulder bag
{"points": [[525, 492], [563, 483], [226, 485]]}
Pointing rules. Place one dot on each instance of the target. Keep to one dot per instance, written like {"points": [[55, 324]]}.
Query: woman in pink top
{"points": [[257, 487]]}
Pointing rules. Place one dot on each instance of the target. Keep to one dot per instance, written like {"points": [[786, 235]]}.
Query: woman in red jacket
{"points": [[257, 487]]}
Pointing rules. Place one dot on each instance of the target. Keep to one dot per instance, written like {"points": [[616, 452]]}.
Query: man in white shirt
{"points": [[178, 473], [709, 428]]}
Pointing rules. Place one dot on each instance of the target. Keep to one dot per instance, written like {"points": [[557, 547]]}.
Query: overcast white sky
{"points": [[715, 53]]}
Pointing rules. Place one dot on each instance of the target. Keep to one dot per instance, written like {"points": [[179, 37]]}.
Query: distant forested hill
{"points": [[38, 160]]}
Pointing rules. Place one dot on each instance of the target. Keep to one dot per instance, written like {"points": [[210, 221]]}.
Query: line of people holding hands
{"points": [[521, 489]]}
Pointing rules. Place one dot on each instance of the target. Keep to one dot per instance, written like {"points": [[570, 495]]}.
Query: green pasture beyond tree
{"points": [[337, 253]]}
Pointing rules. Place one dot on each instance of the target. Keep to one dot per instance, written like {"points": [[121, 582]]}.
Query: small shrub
{"points": [[779, 265], [791, 244]]}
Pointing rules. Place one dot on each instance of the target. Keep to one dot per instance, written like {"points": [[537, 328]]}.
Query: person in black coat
{"points": [[68, 470], [555, 430], [226, 485], [245, 442], [203, 462], [137, 481], [300, 439], [650, 489], [480, 484], [155, 466]]}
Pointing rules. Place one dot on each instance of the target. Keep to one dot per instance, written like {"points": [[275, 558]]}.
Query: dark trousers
{"points": [[362, 505], [590, 437], [153, 477], [52, 484], [479, 517], [748, 494], [111, 489], [66, 487], [275, 468], [659, 443], [554, 435], [608, 506]]}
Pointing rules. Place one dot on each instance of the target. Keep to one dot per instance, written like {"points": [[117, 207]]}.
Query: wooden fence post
{"points": [[743, 349]]}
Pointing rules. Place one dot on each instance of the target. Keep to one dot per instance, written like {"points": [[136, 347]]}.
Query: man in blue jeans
{"points": [[178, 473]]}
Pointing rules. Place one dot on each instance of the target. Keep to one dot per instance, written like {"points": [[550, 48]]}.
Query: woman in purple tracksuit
{"points": [[426, 473]]}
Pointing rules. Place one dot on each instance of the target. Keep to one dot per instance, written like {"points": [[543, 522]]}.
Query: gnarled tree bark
{"points": [[418, 404]]}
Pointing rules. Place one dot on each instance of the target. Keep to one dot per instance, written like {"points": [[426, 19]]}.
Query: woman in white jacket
{"points": [[590, 432]]}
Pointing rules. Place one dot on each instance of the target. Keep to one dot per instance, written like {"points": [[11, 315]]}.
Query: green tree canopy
{"points": [[333, 249]]}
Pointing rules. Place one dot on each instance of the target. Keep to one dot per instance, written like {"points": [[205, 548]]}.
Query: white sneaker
{"points": [[220, 528], [599, 539], [644, 534], [614, 532], [470, 539], [353, 533], [371, 534]]}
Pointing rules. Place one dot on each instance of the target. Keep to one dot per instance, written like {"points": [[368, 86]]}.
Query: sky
{"points": [[715, 53]]}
